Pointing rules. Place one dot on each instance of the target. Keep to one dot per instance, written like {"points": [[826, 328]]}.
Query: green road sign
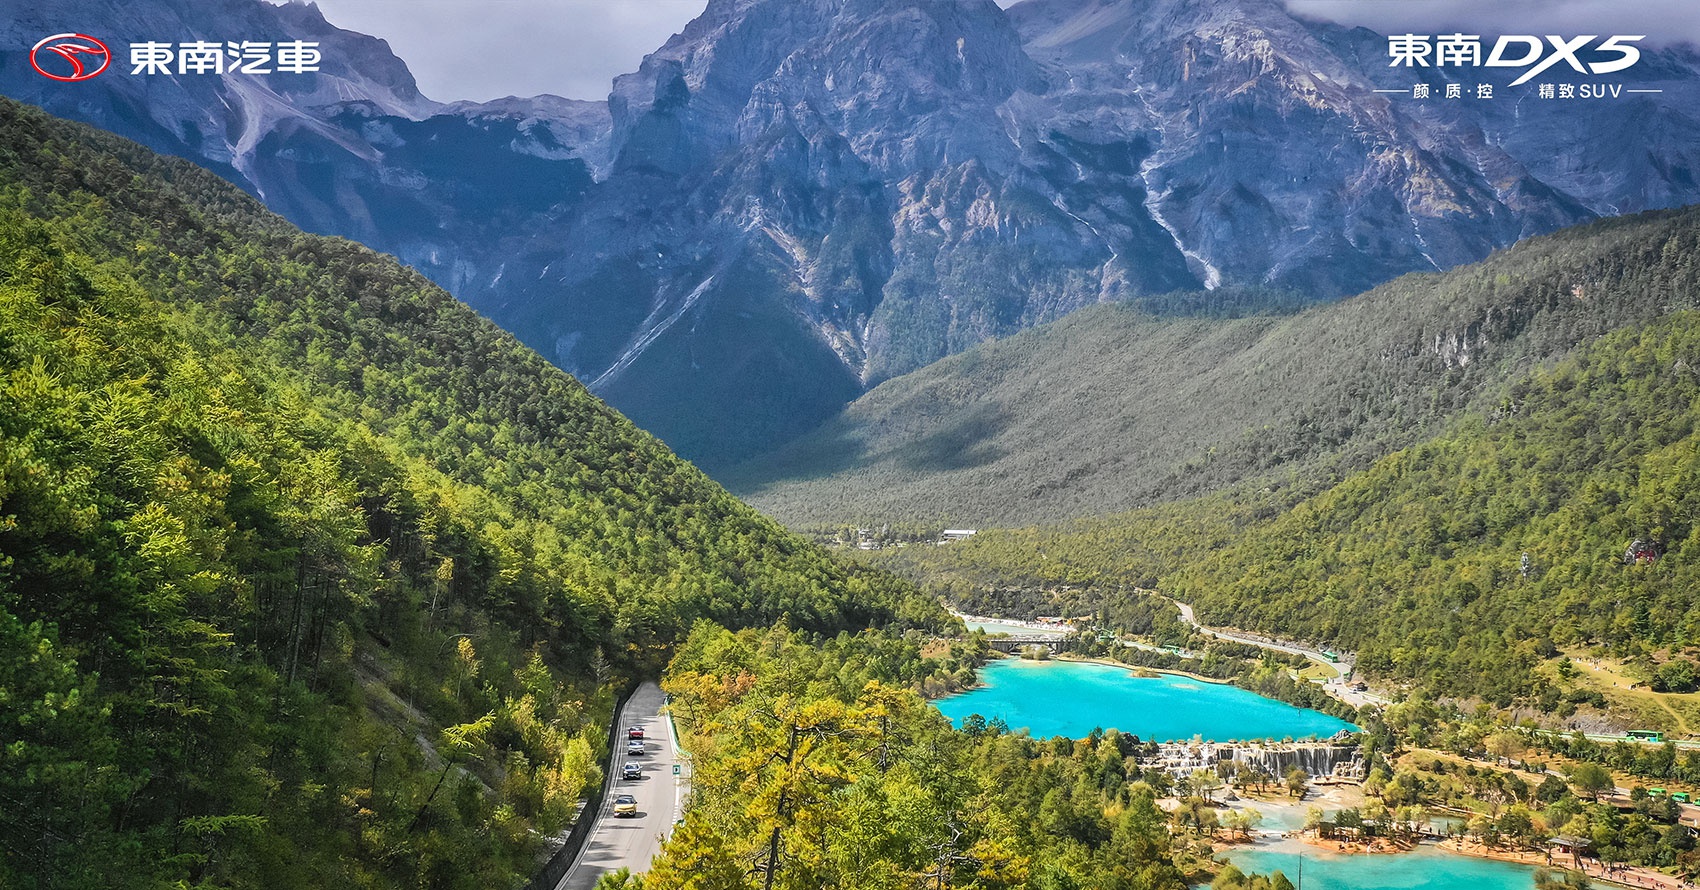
{"points": [[675, 769]]}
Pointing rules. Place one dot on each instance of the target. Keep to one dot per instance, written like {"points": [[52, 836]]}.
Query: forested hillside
{"points": [[1560, 515], [309, 577], [1122, 406], [1567, 514], [816, 763]]}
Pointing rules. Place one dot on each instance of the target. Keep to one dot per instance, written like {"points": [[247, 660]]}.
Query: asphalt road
{"points": [[625, 842], [1342, 663]]}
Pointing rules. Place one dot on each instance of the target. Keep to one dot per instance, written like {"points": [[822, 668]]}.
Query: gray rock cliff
{"points": [[792, 200]]}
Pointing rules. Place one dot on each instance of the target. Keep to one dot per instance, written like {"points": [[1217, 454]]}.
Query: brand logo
{"points": [[228, 57], [1558, 58], [1514, 51], [76, 57], [70, 57]]}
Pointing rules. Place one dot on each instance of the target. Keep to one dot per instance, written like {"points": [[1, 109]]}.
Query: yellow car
{"points": [[625, 805]]}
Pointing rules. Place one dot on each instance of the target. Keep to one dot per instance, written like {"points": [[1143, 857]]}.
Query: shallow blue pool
{"points": [[1070, 698]]}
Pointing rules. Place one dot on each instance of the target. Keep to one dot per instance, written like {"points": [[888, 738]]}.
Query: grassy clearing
{"points": [[1669, 711], [1316, 670]]}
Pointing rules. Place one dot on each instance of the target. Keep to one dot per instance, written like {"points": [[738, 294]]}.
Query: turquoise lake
{"points": [[1070, 698], [1425, 868]]}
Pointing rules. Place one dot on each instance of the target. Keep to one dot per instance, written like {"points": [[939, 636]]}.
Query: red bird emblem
{"points": [[86, 57]]}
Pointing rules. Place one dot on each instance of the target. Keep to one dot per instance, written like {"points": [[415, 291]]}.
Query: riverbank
{"points": [[1135, 669], [1280, 844], [1132, 669], [1425, 868], [1375, 846], [1623, 875], [1218, 681]]}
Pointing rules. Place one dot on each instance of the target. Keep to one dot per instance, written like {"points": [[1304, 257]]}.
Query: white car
{"points": [[634, 748]]}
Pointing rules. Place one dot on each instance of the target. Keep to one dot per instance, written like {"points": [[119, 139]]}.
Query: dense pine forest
{"points": [[817, 762], [1565, 516], [1551, 515], [309, 577]]}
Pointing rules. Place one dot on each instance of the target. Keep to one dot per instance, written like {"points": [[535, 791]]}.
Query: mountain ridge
{"points": [[1119, 407], [789, 203]]}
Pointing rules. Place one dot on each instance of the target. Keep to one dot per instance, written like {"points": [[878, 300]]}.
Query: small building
{"points": [[957, 534], [1568, 845], [1643, 552]]}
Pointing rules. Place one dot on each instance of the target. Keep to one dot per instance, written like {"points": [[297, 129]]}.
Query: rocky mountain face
{"points": [[809, 197], [353, 149], [1124, 406], [793, 200]]}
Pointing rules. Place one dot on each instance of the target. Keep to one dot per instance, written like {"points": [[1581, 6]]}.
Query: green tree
{"points": [[1560, 879], [1297, 781], [1505, 745], [1591, 779]]}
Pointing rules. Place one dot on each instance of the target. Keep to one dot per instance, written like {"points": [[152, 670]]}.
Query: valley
{"points": [[1120, 407], [1331, 454], [309, 576]]}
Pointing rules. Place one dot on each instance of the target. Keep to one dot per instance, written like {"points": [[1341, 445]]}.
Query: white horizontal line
{"points": [[1643, 91], [1407, 91]]}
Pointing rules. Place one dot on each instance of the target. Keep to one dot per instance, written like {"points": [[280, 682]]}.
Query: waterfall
{"points": [[1317, 759]]}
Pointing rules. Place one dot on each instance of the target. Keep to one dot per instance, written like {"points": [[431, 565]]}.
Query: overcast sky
{"points": [[486, 49]]}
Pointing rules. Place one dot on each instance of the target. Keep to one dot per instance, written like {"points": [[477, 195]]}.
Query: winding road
{"points": [[629, 843], [1342, 662]]}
